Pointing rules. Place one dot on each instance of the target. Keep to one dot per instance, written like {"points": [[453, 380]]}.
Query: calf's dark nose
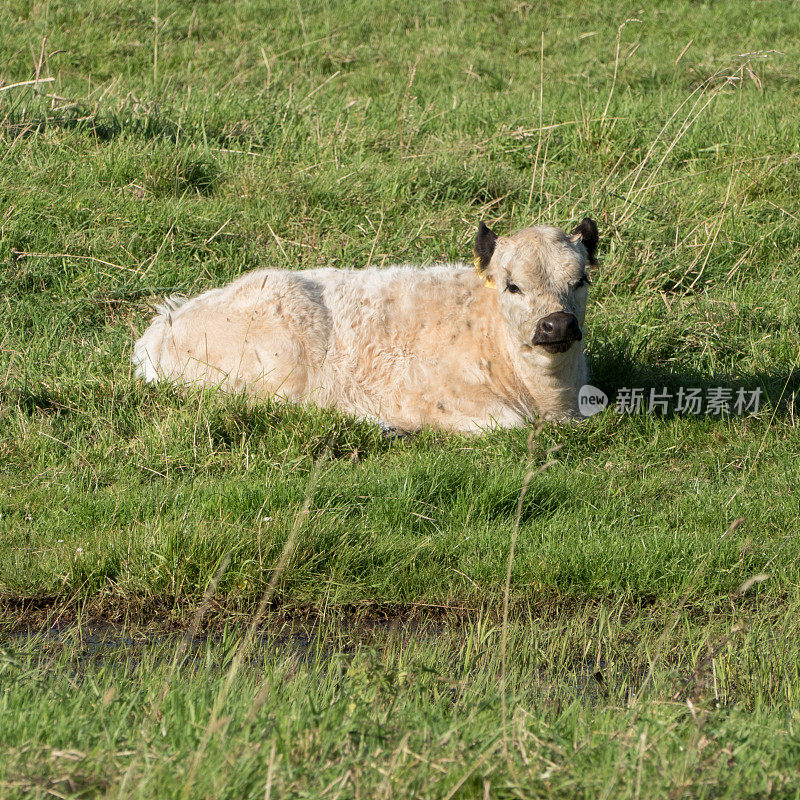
{"points": [[557, 327]]}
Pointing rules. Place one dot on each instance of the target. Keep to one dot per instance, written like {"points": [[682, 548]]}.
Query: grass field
{"points": [[621, 647]]}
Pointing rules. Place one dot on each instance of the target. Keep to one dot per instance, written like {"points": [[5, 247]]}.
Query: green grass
{"points": [[415, 713], [180, 145]]}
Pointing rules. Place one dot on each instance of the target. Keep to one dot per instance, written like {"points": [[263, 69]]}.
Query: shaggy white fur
{"points": [[406, 346]]}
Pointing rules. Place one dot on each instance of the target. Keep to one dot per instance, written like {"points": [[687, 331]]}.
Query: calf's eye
{"points": [[513, 288], [584, 281]]}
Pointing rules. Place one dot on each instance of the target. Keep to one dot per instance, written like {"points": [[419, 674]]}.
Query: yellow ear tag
{"points": [[487, 281]]}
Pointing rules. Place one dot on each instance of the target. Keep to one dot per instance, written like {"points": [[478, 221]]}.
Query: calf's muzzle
{"points": [[556, 332]]}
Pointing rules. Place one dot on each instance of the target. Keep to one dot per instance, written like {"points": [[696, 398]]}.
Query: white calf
{"points": [[450, 346]]}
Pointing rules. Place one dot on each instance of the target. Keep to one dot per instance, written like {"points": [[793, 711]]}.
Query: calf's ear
{"points": [[483, 248], [587, 233]]}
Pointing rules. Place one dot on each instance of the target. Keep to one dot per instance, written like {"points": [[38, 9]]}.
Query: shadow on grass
{"points": [[616, 366], [142, 121], [228, 420], [150, 125]]}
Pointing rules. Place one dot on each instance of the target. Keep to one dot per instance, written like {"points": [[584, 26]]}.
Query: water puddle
{"points": [[106, 641], [81, 647]]}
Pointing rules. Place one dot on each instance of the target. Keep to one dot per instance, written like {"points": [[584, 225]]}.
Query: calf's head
{"points": [[540, 278]]}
